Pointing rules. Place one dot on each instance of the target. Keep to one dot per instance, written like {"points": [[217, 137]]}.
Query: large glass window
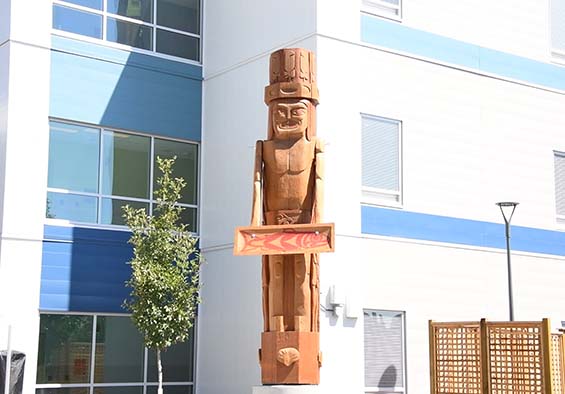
{"points": [[381, 168], [93, 172], [170, 27], [93, 354]]}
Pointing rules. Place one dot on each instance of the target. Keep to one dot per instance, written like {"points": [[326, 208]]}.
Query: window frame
{"points": [[91, 385], [376, 9], [556, 55], [103, 40], [399, 390], [560, 218], [384, 197], [100, 196]]}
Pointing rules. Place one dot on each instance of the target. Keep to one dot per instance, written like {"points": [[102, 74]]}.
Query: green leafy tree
{"points": [[165, 268]]}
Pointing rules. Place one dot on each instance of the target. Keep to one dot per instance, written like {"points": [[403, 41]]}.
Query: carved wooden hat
{"points": [[292, 75]]}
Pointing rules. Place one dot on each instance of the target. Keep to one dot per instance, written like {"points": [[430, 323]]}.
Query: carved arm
{"points": [[319, 187], [257, 208]]}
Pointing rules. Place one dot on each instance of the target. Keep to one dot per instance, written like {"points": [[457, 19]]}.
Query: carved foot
{"points": [[288, 356]]}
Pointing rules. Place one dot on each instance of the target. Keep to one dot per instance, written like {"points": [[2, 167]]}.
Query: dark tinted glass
{"points": [[128, 33], [177, 362], [179, 45], [137, 9], [186, 166], [119, 390], [112, 211], [78, 22], [74, 390], [170, 389], [179, 14], [125, 165], [119, 353], [64, 349]]}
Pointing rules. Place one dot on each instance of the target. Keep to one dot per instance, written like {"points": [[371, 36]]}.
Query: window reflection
{"points": [[137, 9], [177, 362], [73, 157], [179, 14], [64, 349], [72, 207], [186, 165], [125, 164], [77, 22], [119, 352], [129, 33]]}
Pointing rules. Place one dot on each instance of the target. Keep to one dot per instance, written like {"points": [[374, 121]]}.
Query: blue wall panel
{"points": [[395, 36], [84, 270], [114, 88], [419, 226]]}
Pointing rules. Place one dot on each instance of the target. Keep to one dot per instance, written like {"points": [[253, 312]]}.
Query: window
{"points": [[385, 363], [381, 160], [391, 9], [93, 172], [557, 22], [170, 27], [560, 186], [94, 354]]}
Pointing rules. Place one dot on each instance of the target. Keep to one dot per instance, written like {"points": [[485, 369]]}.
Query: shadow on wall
{"points": [[84, 270], [120, 89], [388, 378]]}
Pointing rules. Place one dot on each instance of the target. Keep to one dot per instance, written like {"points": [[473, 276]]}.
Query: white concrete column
{"points": [[24, 110]]}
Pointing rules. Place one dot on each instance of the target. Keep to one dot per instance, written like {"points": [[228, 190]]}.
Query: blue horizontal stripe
{"points": [[125, 90], [395, 36], [84, 270], [419, 226]]}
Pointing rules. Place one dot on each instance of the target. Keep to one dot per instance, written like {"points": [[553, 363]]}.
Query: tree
{"points": [[165, 268]]}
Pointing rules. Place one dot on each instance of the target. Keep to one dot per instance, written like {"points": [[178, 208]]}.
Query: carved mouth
{"points": [[291, 124]]}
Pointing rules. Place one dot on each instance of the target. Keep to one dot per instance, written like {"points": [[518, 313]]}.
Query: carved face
{"points": [[290, 118]]}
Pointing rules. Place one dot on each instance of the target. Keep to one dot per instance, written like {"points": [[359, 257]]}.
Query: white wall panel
{"points": [[24, 110], [468, 141], [236, 32]]}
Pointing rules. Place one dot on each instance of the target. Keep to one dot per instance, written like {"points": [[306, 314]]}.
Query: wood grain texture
{"points": [[284, 239]]}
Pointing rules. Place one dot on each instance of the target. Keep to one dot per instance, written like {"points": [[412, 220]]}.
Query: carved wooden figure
{"points": [[288, 190]]}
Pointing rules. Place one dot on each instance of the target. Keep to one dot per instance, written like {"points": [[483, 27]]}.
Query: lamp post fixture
{"points": [[507, 209]]}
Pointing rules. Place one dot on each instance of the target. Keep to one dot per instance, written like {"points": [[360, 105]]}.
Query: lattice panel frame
{"points": [[557, 366], [456, 353], [515, 354]]}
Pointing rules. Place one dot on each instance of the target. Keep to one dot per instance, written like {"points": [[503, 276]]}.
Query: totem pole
{"points": [[286, 223]]}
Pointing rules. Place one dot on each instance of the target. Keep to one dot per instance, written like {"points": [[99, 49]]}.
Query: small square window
{"points": [[381, 160], [391, 9]]}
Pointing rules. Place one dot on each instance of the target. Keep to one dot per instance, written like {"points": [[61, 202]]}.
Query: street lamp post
{"points": [[507, 209]]}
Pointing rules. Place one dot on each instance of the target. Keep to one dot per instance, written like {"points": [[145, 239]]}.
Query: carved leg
{"points": [[265, 286], [302, 302], [315, 289], [276, 283]]}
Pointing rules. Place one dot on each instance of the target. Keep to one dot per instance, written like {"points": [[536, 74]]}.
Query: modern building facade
{"points": [[431, 114]]}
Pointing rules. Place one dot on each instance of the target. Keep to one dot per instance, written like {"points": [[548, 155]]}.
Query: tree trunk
{"points": [[159, 372]]}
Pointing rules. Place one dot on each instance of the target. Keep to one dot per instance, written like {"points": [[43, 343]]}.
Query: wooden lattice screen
{"points": [[557, 363], [496, 358]]}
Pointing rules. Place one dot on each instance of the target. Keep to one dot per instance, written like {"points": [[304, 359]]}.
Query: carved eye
{"points": [[280, 112], [298, 112]]}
